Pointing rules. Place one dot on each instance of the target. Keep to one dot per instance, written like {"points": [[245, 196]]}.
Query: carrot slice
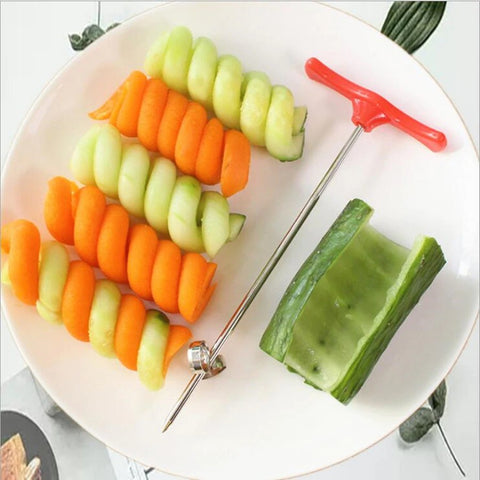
{"points": [[190, 290], [206, 291], [151, 111], [209, 159], [166, 276], [173, 114], [21, 239], [236, 162], [128, 331], [127, 119], [112, 243], [57, 210], [105, 111], [142, 249], [118, 105], [178, 336], [189, 137], [89, 212], [77, 299]]}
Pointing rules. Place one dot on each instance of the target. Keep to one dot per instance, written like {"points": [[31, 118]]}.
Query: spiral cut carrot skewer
{"points": [[92, 310], [165, 121], [195, 220], [154, 269]]}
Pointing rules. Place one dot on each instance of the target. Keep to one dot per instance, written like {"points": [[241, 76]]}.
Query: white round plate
{"points": [[256, 420]]}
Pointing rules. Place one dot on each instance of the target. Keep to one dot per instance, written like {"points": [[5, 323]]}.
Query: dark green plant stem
{"points": [[450, 448], [99, 9]]}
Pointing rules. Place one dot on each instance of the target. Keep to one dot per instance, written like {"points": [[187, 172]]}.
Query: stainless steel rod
{"points": [[264, 274]]}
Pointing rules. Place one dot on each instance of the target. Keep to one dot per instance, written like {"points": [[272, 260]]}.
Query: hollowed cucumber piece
{"points": [[279, 137], [299, 119], [346, 302], [81, 162], [156, 56], [237, 220], [257, 91], [182, 216], [133, 178], [151, 353], [202, 71], [52, 276], [159, 193], [176, 60], [227, 91], [107, 160], [103, 317]]}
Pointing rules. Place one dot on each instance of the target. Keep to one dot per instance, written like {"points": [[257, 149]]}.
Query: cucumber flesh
{"points": [[156, 56], [176, 60], [237, 220], [53, 271], [227, 91], [133, 178], [346, 302], [214, 212], [255, 103], [151, 353], [107, 160], [5, 278], [299, 119], [103, 317], [202, 71], [159, 192], [279, 138], [81, 162], [182, 216]]}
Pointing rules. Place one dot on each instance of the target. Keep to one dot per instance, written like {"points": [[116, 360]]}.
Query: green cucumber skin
{"points": [[277, 336], [426, 264]]}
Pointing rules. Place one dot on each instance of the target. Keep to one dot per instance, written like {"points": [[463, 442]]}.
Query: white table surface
{"points": [[34, 47]]}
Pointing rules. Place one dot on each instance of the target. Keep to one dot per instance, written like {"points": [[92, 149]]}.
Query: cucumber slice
{"points": [[215, 220], [237, 220], [202, 71], [182, 216], [257, 91], [347, 301], [151, 352], [158, 194], [279, 138], [107, 160], [103, 317], [52, 276], [227, 90], [156, 55], [81, 162], [299, 119], [133, 177], [177, 57]]}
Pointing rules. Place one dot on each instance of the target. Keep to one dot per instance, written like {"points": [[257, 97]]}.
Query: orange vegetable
{"points": [[236, 163], [151, 111], [128, 331], [21, 240], [210, 151], [165, 121], [77, 299], [178, 336], [153, 268], [173, 114], [189, 137]]}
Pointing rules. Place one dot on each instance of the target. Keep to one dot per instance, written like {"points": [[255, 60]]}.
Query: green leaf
{"points": [[89, 35], [113, 25], [410, 24], [437, 400], [92, 32], [417, 425]]}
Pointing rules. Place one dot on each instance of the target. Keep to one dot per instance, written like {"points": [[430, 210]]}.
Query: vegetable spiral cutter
{"points": [[370, 110]]}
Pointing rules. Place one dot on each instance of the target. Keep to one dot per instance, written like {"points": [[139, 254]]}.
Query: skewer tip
{"points": [[167, 425]]}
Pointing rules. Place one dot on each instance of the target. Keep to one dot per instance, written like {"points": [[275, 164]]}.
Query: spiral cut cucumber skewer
{"points": [[196, 221], [103, 236], [165, 121], [247, 101], [92, 310]]}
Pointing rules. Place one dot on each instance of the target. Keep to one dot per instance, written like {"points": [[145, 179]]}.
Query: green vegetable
{"points": [[89, 35], [410, 24], [417, 425], [437, 400], [346, 302]]}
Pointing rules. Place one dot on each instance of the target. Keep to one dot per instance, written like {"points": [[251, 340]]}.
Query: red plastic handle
{"points": [[371, 110]]}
